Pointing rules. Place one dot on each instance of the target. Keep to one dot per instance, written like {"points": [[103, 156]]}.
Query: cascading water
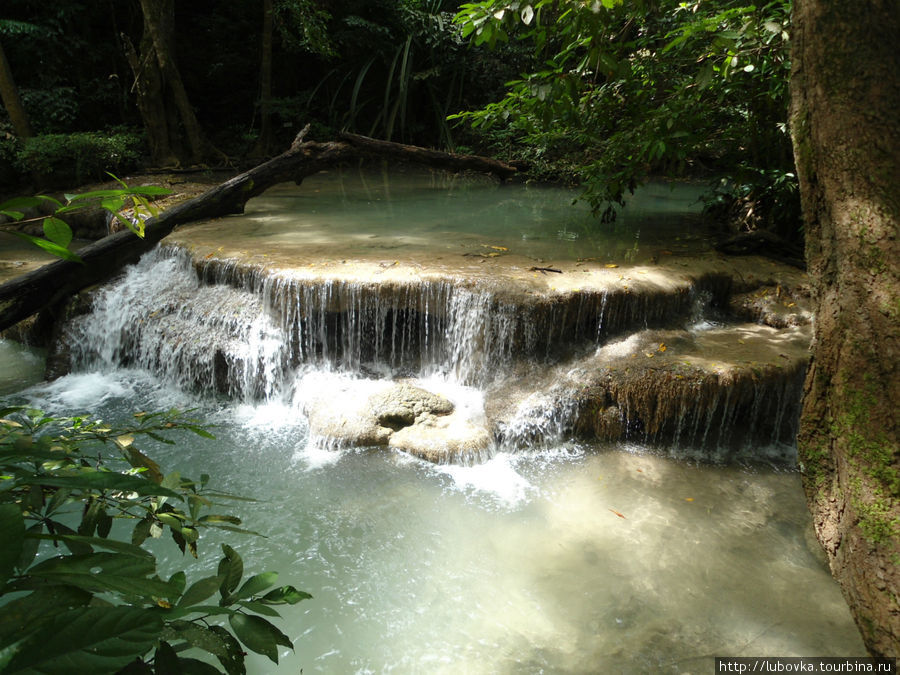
{"points": [[551, 550]]}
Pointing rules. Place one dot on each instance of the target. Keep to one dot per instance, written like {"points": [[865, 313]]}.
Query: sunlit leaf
{"points": [[50, 247], [57, 231]]}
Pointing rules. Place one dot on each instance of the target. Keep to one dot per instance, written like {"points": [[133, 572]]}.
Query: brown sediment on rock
{"points": [[715, 388]]}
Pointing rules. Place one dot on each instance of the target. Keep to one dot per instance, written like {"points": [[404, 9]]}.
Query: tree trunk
{"points": [[159, 25], [148, 87], [845, 94], [45, 287], [264, 142], [11, 100]]}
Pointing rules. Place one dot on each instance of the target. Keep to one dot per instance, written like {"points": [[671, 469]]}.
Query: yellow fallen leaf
{"points": [[688, 499], [662, 347], [611, 265]]}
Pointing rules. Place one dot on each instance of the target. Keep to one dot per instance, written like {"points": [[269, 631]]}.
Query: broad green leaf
{"points": [[234, 663], [170, 519], [89, 640], [218, 518], [20, 203], [285, 594], [29, 546], [126, 574], [165, 660], [50, 247], [259, 635], [57, 231], [138, 459], [141, 531], [195, 667], [212, 641], [199, 591], [177, 581], [25, 614], [231, 569], [259, 608], [255, 584], [109, 544]]}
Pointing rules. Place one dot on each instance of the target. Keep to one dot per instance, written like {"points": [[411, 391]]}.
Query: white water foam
{"points": [[496, 478]]}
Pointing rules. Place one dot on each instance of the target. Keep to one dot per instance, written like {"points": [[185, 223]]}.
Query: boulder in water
{"points": [[397, 414]]}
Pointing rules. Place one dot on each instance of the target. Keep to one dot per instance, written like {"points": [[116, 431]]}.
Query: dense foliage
{"points": [[606, 92], [665, 87], [80, 588]]}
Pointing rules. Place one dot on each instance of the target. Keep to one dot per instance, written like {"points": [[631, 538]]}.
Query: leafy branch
{"points": [[131, 206], [81, 595]]}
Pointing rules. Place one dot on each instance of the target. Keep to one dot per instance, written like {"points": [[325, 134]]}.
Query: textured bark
{"points": [[148, 87], [47, 286], [846, 132], [11, 100]]}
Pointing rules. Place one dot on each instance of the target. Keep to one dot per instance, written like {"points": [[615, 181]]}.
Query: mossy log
{"points": [[45, 287]]}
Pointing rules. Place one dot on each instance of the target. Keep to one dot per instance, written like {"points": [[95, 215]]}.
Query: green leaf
{"points": [[259, 635], [57, 231], [231, 569], [165, 660], [195, 667], [259, 608], [234, 662], [12, 536], [200, 590], [121, 573], [89, 640], [256, 584], [141, 531], [20, 203], [103, 480], [29, 546], [218, 518], [220, 643], [138, 459], [177, 581], [285, 594], [108, 544], [50, 247]]}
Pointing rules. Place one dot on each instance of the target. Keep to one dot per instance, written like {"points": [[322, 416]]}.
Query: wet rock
{"points": [[400, 415], [404, 404], [777, 306], [445, 439]]}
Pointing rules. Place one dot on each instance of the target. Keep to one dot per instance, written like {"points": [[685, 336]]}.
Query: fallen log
{"points": [[45, 287]]}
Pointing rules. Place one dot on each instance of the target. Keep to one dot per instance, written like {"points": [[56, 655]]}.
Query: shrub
{"points": [[91, 600], [65, 159]]}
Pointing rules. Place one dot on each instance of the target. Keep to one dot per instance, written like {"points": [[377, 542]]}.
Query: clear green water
{"points": [[565, 559], [367, 213], [519, 565]]}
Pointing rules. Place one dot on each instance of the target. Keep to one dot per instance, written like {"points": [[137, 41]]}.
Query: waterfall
{"points": [[550, 367]]}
